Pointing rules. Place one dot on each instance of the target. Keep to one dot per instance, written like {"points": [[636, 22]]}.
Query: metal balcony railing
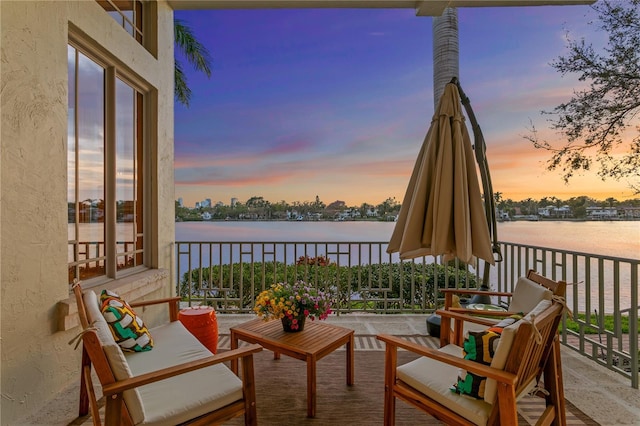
{"points": [[602, 291]]}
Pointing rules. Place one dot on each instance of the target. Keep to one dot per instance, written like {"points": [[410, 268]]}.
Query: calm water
{"points": [[618, 239], [615, 239]]}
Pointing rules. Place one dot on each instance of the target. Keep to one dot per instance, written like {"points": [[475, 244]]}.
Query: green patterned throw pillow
{"points": [[127, 328], [480, 347]]}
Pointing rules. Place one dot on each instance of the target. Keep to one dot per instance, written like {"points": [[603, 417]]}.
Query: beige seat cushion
{"points": [[201, 391], [434, 379], [121, 371], [180, 398]]}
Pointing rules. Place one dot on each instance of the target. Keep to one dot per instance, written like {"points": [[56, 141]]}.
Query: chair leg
{"points": [[83, 408], [553, 383], [390, 361], [113, 411], [445, 331], [93, 404], [507, 405], [249, 390]]}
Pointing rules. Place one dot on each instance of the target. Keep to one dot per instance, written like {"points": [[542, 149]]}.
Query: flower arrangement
{"points": [[319, 260], [294, 302]]}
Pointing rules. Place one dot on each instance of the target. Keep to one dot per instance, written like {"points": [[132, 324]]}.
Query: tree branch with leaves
{"points": [[601, 124]]}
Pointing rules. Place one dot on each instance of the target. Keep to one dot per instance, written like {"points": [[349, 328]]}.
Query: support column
{"points": [[446, 52]]}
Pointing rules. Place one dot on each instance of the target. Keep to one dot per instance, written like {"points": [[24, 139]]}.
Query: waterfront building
{"points": [[602, 213]]}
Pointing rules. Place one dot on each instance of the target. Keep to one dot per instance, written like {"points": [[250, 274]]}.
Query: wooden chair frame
{"points": [[527, 360], [458, 316], [116, 412]]}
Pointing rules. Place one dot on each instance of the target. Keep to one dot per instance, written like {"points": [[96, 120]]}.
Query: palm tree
{"points": [[197, 55], [446, 51]]}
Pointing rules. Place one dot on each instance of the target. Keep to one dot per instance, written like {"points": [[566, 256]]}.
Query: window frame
{"points": [[137, 24], [115, 69]]}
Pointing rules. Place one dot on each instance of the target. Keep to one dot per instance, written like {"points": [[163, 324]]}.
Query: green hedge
{"points": [[608, 324], [386, 286]]}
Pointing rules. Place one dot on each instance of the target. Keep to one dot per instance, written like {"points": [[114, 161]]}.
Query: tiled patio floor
{"points": [[604, 396]]}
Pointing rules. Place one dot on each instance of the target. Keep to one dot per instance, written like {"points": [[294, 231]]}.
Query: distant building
{"points": [[553, 211], [629, 212], [180, 202], [602, 213], [234, 201]]}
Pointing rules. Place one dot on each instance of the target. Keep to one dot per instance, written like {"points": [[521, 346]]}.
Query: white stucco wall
{"points": [[36, 362]]}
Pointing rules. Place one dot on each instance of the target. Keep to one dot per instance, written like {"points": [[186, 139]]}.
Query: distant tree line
{"points": [[257, 208], [578, 205]]}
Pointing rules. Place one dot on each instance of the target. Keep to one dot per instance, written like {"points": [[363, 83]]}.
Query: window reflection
{"points": [[91, 171], [126, 175]]}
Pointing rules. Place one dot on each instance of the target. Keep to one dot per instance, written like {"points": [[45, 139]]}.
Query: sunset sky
{"points": [[336, 103]]}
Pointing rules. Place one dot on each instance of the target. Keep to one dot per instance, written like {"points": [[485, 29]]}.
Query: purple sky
{"points": [[336, 103]]}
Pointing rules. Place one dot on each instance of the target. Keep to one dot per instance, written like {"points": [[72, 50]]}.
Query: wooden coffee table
{"points": [[316, 341]]}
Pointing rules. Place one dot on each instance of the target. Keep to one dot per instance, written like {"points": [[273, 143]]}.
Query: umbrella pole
{"points": [[479, 148]]}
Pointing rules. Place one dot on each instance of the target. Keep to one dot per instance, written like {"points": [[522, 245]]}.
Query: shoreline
{"points": [[637, 219]]}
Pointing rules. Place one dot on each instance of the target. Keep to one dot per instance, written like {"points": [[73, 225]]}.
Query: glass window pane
{"points": [[90, 168], [91, 171], [92, 269], [125, 170], [126, 261], [71, 145], [90, 112]]}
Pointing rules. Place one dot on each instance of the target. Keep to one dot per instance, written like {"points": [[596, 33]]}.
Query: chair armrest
{"points": [[464, 316], [171, 301], [477, 312], [474, 292], [155, 301], [155, 376], [472, 366]]}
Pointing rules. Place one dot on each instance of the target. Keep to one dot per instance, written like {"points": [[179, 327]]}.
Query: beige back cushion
{"points": [[95, 317], [112, 351], [504, 347], [527, 295], [121, 371]]}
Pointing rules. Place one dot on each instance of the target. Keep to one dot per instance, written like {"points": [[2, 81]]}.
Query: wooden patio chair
{"points": [[426, 382], [169, 394], [525, 297]]}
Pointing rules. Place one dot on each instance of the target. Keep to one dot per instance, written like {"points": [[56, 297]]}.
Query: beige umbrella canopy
{"points": [[442, 212]]}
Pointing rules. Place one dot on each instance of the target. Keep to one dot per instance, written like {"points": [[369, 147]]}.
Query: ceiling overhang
{"points": [[422, 7]]}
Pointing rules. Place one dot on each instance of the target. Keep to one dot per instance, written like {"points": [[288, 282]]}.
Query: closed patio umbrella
{"points": [[443, 212]]}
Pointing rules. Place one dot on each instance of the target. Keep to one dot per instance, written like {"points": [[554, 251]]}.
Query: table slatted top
{"points": [[316, 337]]}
